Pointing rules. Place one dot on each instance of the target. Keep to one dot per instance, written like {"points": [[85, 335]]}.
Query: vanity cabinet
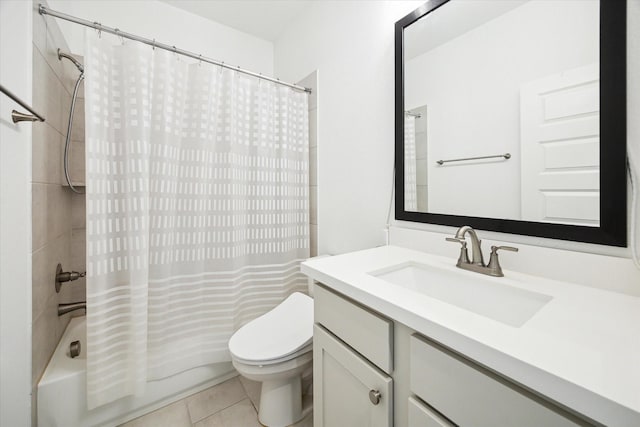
{"points": [[352, 353], [420, 382]]}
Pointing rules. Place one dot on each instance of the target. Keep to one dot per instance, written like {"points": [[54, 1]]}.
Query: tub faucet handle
{"points": [[66, 276]]}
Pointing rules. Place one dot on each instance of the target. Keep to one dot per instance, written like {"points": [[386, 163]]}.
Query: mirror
{"points": [[510, 116]]}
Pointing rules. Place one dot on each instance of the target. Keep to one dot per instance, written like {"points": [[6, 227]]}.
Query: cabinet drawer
{"points": [[470, 395], [368, 333], [421, 416]]}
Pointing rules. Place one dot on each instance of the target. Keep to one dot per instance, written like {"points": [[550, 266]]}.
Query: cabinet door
{"points": [[343, 382]]}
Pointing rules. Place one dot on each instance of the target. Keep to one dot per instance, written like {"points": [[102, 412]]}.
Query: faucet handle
{"points": [[455, 239], [464, 256], [494, 264], [495, 249]]}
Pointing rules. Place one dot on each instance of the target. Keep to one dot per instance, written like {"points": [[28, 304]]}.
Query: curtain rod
{"points": [[98, 26]]}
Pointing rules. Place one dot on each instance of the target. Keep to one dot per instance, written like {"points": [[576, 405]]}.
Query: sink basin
{"points": [[471, 291]]}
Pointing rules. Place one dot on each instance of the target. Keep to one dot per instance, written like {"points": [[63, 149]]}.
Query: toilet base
{"points": [[281, 388], [281, 402]]}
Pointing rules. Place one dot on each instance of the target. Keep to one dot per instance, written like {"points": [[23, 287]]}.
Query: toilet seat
{"points": [[281, 334]]}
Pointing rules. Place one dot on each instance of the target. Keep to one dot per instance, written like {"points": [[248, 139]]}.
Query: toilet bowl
{"points": [[275, 349]]}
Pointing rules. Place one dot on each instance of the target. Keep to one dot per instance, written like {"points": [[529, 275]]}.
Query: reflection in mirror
{"points": [[490, 77]]}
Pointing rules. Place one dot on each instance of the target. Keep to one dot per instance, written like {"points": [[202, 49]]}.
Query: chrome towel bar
{"points": [[17, 116], [506, 156]]}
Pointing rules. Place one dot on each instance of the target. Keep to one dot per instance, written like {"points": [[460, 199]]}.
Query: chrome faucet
{"points": [[477, 262]]}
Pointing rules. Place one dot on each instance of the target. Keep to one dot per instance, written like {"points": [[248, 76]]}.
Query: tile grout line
{"points": [[246, 396]]}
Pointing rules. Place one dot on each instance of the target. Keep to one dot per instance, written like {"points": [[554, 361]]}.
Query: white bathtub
{"points": [[62, 400]]}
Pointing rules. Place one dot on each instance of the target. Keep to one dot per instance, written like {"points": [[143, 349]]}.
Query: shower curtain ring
{"points": [[153, 46], [199, 60], [119, 35], [98, 28]]}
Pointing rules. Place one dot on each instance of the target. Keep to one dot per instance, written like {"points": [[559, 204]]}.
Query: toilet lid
{"points": [[276, 334]]}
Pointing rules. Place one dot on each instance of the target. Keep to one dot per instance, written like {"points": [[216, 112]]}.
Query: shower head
{"points": [[72, 59]]}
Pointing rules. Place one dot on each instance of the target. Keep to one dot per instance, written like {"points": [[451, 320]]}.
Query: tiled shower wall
{"points": [[311, 81], [51, 202]]}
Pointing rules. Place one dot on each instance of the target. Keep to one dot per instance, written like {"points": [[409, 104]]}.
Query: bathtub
{"points": [[62, 400]]}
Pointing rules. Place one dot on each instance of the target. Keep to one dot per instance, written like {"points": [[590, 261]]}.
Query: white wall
{"points": [[351, 44], [169, 25], [15, 216], [473, 98]]}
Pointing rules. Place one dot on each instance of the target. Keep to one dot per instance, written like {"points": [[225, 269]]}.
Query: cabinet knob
{"points": [[374, 396]]}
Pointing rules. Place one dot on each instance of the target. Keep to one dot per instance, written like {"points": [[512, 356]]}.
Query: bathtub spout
{"points": [[66, 308]]}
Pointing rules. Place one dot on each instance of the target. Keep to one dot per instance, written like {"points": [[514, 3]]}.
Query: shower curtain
{"points": [[197, 210], [410, 179]]}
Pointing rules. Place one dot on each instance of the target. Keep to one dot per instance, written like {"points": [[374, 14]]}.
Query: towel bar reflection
{"points": [[17, 116], [506, 156]]}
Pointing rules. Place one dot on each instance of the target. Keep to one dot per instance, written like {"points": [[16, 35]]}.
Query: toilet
{"points": [[275, 349]]}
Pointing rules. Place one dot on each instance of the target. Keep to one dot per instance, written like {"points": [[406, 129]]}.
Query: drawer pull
{"points": [[374, 396]]}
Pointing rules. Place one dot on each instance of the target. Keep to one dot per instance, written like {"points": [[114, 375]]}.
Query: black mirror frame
{"points": [[613, 160]]}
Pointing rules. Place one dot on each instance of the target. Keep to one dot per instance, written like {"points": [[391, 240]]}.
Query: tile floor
{"points": [[234, 403]]}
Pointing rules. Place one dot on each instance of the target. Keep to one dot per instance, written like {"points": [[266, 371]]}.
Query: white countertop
{"points": [[582, 349]]}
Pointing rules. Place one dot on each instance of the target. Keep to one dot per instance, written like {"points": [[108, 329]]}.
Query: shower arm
{"points": [[78, 65]]}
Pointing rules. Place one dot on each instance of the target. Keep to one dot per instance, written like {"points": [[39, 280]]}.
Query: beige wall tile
{"points": [[78, 210], [214, 399], [241, 414], [174, 415], [65, 107], [48, 94], [46, 159], [313, 166], [51, 213], [43, 283], [78, 246], [76, 162], [76, 290], [77, 130], [44, 262], [59, 199]]}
